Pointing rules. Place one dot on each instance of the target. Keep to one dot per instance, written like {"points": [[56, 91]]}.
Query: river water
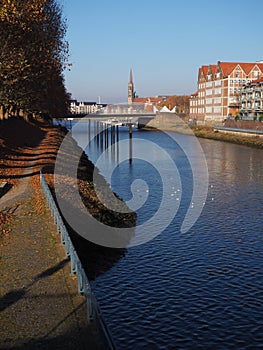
{"points": [[201, 289]]}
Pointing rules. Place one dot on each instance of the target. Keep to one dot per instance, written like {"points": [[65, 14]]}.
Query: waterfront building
{"points": [[84, 107], [252, 99], [219, 88], [133, 98]]}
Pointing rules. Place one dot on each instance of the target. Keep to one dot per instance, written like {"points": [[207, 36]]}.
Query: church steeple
{"points": [[131, 76], [130, 89]]}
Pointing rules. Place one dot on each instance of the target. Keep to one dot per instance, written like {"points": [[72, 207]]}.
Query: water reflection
{"points": [[199, 290], [236, 163]]}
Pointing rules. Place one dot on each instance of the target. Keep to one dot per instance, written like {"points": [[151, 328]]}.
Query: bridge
{"points": [[127, 111]]}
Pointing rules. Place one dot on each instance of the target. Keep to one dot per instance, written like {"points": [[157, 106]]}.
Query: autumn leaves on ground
{"points": [[37, 140]]}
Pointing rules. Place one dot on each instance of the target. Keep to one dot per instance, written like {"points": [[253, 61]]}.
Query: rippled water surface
{"points": [[202, 289]]}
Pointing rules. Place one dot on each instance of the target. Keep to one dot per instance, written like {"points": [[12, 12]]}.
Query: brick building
{"points": [[219, 89]]}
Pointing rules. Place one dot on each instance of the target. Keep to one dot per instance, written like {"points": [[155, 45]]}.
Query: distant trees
{"points": [[181, 102], [33, 55]]}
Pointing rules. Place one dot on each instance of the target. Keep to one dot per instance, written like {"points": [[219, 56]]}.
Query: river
{"points": [[200, 289]]}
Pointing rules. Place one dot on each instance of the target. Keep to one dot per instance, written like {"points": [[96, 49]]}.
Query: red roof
{"points": [[213, 68], [228, 67]]}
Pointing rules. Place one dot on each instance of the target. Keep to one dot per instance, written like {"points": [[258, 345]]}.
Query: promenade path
{"points": [[39, 304]]}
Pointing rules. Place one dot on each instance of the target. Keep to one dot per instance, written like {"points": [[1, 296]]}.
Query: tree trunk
{"points": [[1, 113]]}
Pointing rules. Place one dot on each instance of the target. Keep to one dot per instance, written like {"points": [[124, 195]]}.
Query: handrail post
{"points": [[76, 267]]}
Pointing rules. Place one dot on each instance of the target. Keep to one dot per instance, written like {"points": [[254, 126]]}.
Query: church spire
{"points": [[131, 82], [130, 89]]}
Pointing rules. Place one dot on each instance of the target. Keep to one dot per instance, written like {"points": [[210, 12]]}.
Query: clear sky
{"points": [[164, 42]]}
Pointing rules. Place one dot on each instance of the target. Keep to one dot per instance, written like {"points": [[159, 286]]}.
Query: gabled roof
{"points": [[260, 66], [228, 67], [204, 69], [212, 68]]}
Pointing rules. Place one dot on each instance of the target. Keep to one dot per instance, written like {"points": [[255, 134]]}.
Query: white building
{"points": [[84, 107]]}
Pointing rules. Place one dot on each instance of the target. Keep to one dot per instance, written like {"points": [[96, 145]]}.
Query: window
{"points": [[238, 74], [255, 74]]}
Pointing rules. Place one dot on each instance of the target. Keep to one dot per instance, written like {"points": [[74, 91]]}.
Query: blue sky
{"points": [[164, 42]]}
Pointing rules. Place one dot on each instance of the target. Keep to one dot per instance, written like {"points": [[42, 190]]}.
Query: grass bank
{"points": [[209, 133]]}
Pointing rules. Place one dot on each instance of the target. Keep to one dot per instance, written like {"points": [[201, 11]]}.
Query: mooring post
{"points": [[130, 150], [130, 143], [130, 130], [117, 130], [98, 133], [101, 135], [89, 128], [112, 135], [107, 136]]}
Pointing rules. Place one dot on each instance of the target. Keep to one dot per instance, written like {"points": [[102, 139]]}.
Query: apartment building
{"points": [[84, 107], [252, 99], [219, 89]]}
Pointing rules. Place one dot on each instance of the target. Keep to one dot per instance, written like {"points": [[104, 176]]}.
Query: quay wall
{"points": [[240, 132], [244, 124]]}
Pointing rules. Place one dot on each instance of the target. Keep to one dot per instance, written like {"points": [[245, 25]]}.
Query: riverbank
{"points": [[28, 239], [171, 122], [39, 301], [209, 133]]}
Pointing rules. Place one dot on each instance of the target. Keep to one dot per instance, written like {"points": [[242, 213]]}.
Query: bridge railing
{"points": [[84, 288]]}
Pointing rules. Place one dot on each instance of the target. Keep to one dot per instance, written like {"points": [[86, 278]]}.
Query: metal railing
{"points": [[84, 288]]}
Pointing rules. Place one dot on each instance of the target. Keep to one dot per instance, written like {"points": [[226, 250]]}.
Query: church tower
{"points": [[130, 89]]}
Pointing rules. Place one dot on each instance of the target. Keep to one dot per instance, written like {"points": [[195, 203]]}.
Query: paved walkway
{"points": [[39, 304]]}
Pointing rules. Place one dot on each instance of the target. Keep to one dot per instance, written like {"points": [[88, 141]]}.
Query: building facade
{"points": [[219, 89], [252, 99], [84, 107]]}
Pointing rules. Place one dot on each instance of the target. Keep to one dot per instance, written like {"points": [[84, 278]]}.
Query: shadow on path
{"points": [[15, 295]]}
